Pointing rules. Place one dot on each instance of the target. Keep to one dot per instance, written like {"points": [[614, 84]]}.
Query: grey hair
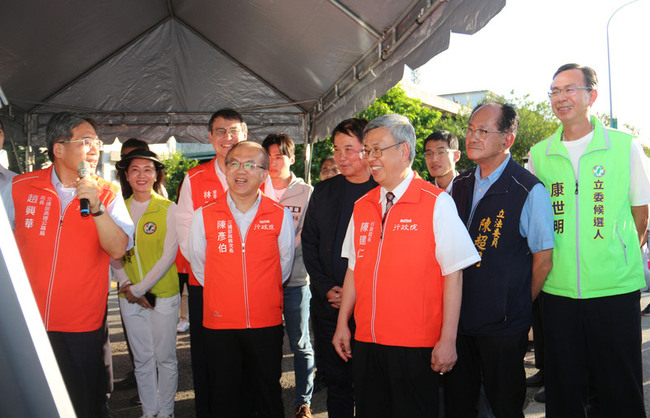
{"points": [[399, 127]]}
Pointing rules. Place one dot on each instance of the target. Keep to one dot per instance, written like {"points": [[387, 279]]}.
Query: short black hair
{"points": [[228, 114], [59, 128], [443, 135], [591, 79], [134, 143], [353, 127], [284, 143], [508, 121]]}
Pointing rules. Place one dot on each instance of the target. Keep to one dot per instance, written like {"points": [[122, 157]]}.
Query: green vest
{"points": [[596, 250], [149, 240]]}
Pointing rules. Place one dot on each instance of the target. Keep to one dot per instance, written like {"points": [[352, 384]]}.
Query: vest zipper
{"points": [[577, 236], [53, 270], [243, 259], [374, 280]]}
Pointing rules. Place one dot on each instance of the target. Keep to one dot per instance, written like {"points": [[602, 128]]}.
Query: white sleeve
{"points": [[120, 214], [119, 275], [287, 244], [529, 165], [454, 247], [184, 216], [196, 245], [639, 193], [164, 263], [347, 249]]}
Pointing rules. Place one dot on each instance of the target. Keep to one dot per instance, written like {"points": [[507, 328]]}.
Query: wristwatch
{"points": [[101, 210]]}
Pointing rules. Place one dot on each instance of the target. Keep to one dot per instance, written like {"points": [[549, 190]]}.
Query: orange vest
{"points": [[398, 280], [243, 281], [206, 188], [66, 266]]}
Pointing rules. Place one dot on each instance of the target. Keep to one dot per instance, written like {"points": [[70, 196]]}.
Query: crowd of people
{"points": [[409, 286]]}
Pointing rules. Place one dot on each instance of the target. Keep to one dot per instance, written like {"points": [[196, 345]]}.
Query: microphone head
{"points": [[84, 169]]}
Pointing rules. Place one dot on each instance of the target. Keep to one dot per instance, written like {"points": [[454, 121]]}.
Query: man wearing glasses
{"points": [[66, 255], [507, 212], [204, 184], [406, 247], [600, 193], [241, 249], [441, 154]]}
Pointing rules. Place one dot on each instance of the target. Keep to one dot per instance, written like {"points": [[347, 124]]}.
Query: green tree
{"points": [[536, 122], [176, 167], [320, 151]]}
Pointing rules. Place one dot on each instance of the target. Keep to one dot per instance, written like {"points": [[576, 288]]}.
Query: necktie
{"points": [[389, 202]]}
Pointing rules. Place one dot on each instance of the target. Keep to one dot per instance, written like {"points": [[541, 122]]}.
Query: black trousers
{"points": [[498, 363], [197, 352], [394, 381], [538, 332], [108, 358], [593, 341], [242, 357], [336, 372], [80, 358]]}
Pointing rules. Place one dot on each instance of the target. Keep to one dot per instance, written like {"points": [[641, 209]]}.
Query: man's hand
{"points": [[334, 296], [443, 356], [87, 189], [341, 342]]}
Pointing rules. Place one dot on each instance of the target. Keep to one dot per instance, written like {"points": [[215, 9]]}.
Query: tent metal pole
{"points": [[309, 148]]}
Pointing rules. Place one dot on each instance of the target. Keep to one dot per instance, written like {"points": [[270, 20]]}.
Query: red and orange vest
{"points": [[65, 263], [397, 278], [206, 188], [243, 279]]}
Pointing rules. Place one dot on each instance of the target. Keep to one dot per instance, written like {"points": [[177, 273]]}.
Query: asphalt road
{"points": [[184, 407]]}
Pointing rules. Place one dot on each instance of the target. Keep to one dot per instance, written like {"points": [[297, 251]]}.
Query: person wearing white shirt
{"points": [[241, 250], [406, 248], [204, 184], [441, 153]]}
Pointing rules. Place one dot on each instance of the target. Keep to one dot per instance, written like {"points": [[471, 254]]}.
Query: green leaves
{"points": [[176, 167]]}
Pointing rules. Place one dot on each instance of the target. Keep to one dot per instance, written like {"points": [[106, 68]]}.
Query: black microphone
{"points": [[84, 171]]}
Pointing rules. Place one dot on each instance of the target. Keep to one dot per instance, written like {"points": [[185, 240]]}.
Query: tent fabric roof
{"points": [[155, 68]]}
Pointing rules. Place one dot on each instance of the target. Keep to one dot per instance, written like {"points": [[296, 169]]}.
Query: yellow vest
{"points": [[150, 233]]}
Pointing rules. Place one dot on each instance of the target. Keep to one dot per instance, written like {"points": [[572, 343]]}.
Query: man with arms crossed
{"points": [[406, 248]]}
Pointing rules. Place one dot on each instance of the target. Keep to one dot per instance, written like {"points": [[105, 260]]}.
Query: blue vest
{"points": [[496, 290]]}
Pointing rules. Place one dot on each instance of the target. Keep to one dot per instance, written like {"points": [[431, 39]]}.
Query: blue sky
{"points": [[521, 47]]}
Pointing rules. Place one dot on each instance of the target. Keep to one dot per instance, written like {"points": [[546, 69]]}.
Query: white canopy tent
{"points": [[156, 68]]}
